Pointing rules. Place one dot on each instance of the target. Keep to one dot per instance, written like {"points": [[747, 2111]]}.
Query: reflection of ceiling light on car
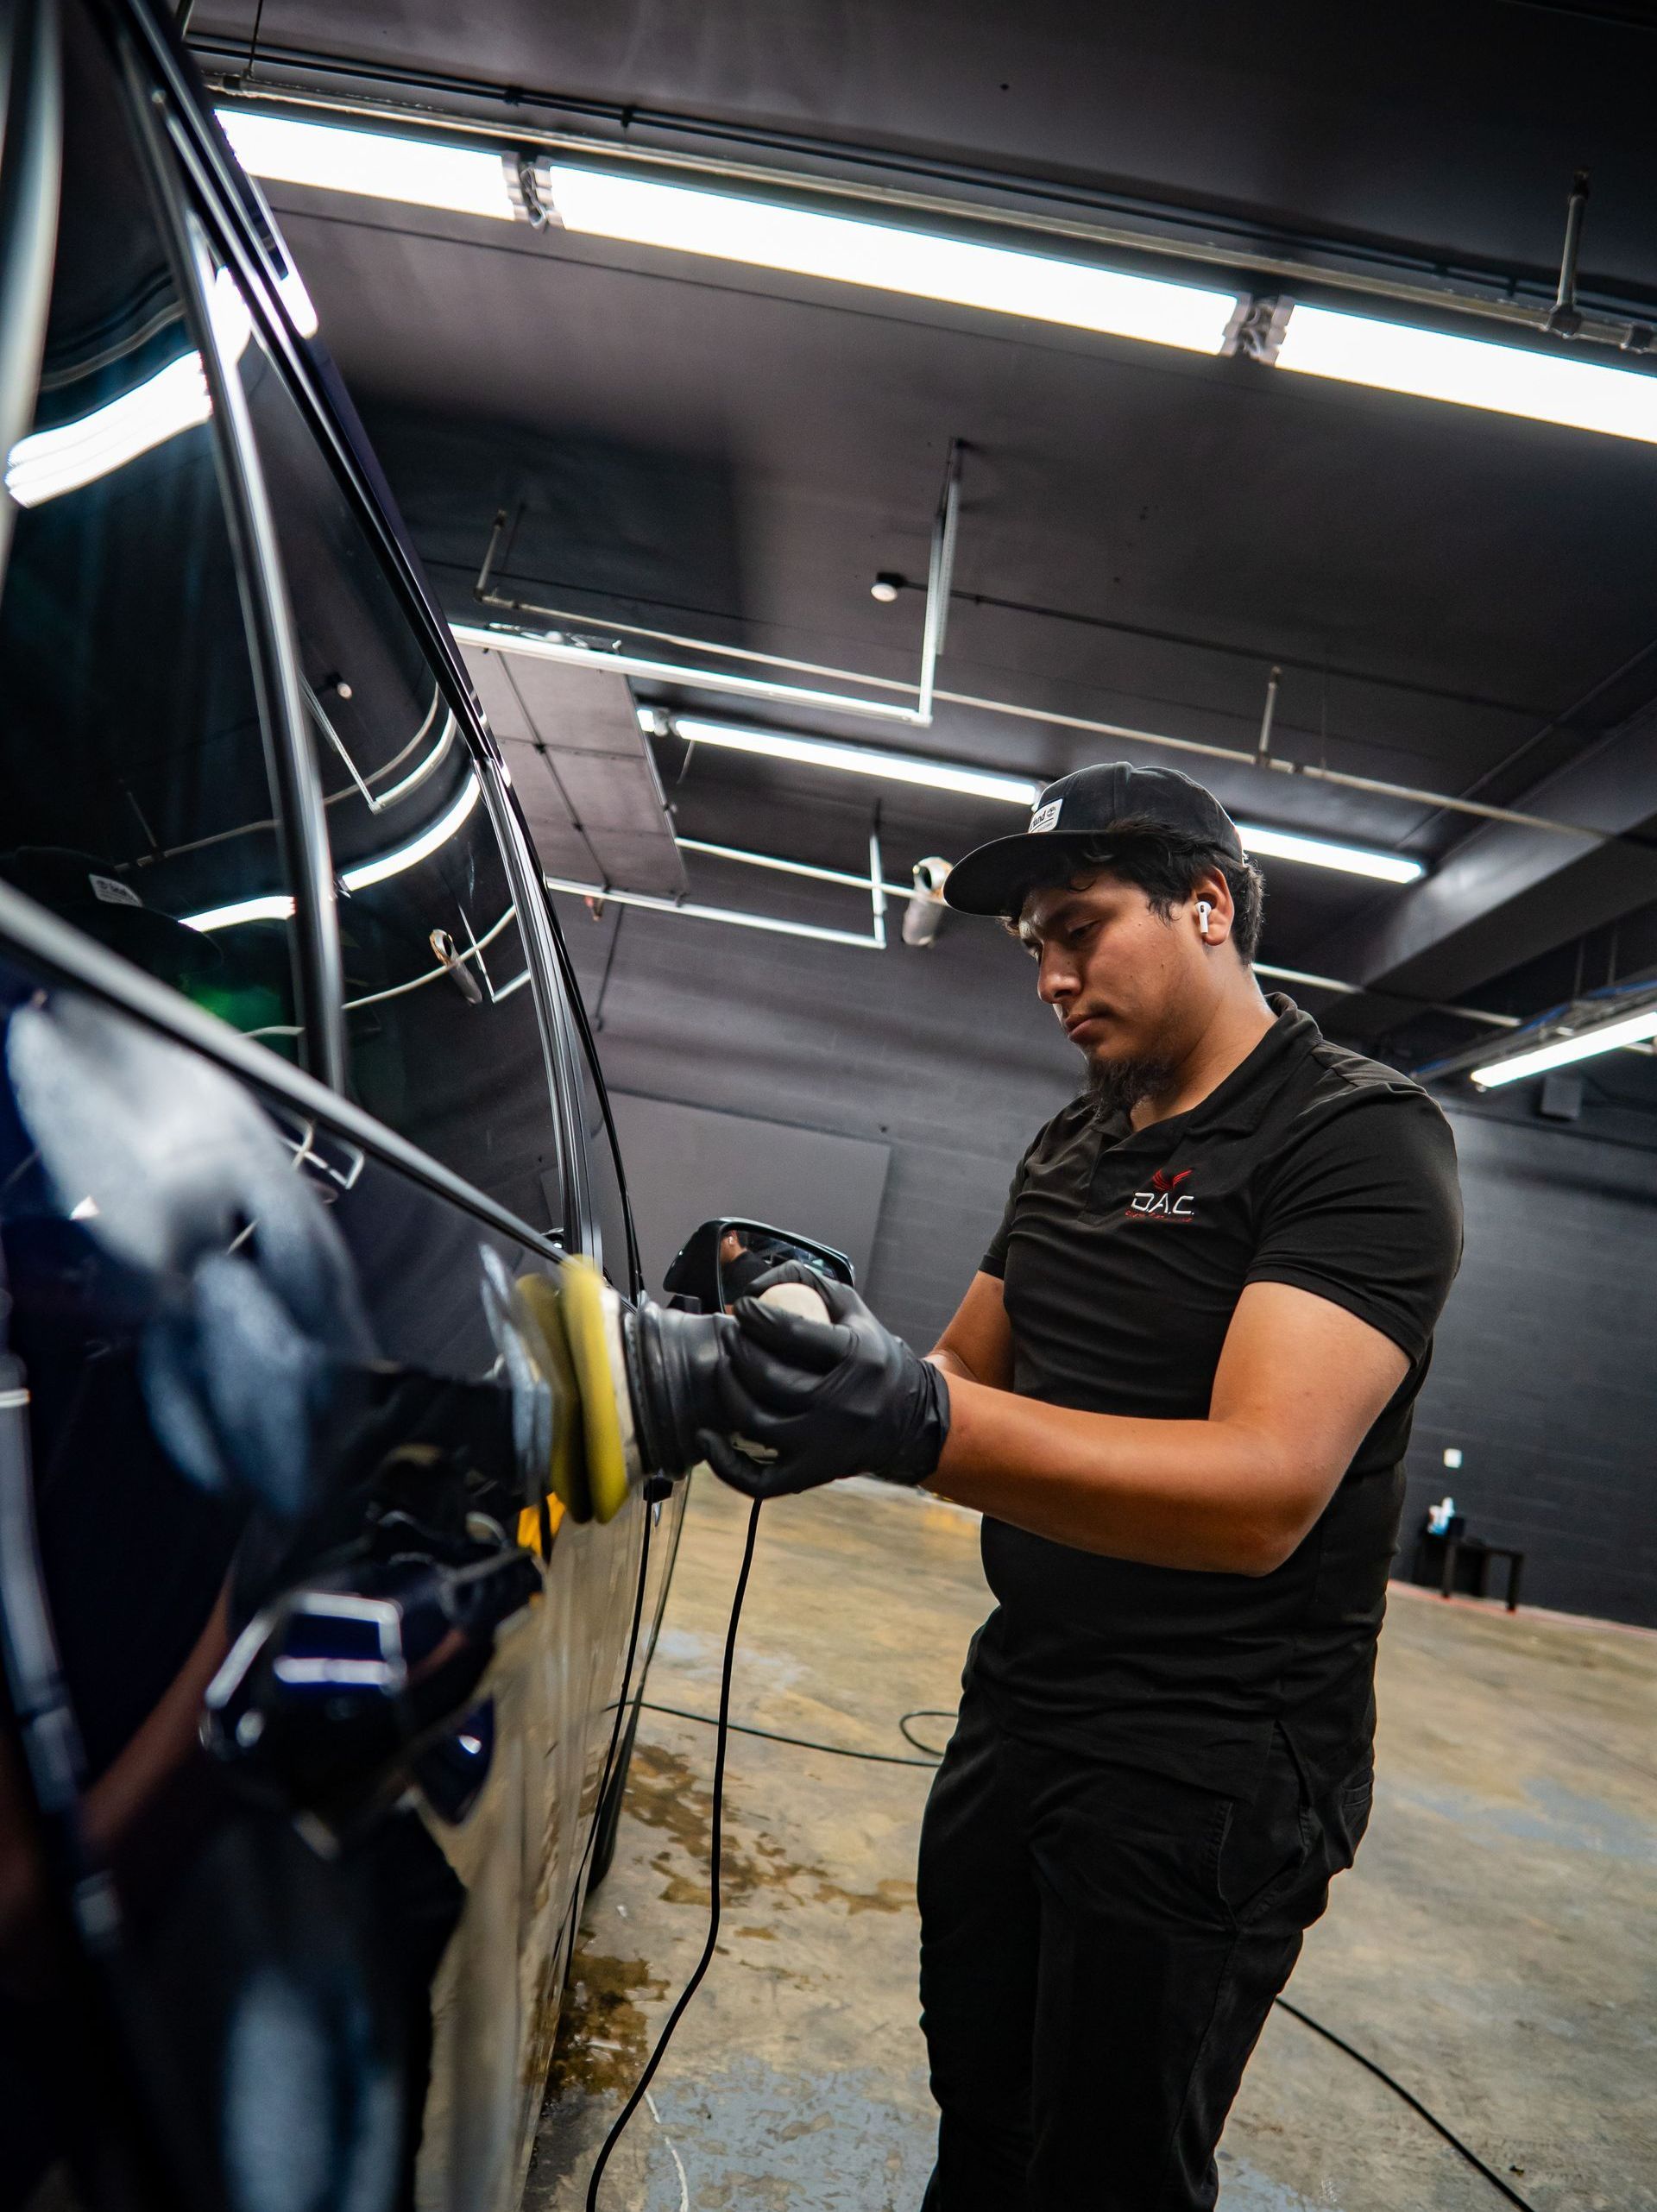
{"points": [[49, 462], [278, 906], [1319, 853], [418, 848], [1608, 1036], [275, 906]]}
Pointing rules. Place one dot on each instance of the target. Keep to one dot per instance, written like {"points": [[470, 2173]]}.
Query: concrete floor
{"points": [[1494, 1948]]}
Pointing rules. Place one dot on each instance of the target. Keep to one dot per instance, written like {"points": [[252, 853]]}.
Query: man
{"points": [[1180, 1391]]}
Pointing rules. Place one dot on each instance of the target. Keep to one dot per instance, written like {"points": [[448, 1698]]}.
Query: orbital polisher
{"points": [[633, 1386]]}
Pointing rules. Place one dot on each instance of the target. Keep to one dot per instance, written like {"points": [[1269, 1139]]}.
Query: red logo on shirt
{"points": [[1164, 1199]]}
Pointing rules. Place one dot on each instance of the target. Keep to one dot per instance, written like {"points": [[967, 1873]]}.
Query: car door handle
{"points": [[334, 1689]]}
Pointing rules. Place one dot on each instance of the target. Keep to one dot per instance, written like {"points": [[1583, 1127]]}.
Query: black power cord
{"points": [[726, 1726], [1414, 2103], [800, 1742], [723, 1725]]}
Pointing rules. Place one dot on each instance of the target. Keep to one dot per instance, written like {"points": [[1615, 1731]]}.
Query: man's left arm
{"points": [[1360, 1237], [1300, 1382]]}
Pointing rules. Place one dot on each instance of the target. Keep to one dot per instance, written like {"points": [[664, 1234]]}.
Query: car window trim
{"points": [[39, 935], [302, 833], [207, 161], [31, 160], [211, 188], [541, 953], [585, 1044]]}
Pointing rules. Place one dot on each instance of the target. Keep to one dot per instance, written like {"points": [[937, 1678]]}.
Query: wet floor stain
{"points": [[665, 1793], [604, 2035]]}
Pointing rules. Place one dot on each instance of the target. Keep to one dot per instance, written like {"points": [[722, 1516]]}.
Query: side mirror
{"points": [[720, 1261]]}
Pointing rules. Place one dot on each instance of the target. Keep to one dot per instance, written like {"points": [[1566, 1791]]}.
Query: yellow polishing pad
{"points": [[566, 1473], [591, 1315]]}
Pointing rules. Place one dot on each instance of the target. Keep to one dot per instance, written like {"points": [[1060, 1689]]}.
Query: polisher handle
{"points": [[798, 1298]]}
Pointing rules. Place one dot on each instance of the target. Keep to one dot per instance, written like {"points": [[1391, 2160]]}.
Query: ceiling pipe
{"points": [[940, 576], [541, 645], [881, 893]]}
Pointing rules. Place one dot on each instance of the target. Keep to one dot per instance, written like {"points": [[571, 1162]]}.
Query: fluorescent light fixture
{"points": [[274, 906], [418, 848], [49, 462], [471, 180], [1471, 372], [1318, 853], [848, 250], [1608, 1036], [1015, 790], [467, 180], [853, 759]]}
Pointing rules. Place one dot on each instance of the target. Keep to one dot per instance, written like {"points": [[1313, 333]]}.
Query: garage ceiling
{"points": [[1458, 600]]}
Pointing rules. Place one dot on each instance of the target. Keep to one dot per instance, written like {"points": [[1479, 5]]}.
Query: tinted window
{"points": [[444, 1036], [134, 798]]}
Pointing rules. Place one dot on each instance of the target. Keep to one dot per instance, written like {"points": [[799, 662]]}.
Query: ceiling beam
{"points": [[1506, 894]]}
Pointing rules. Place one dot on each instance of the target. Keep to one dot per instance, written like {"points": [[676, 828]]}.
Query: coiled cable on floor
{"points": [[722, 1727], [726, 1727]]}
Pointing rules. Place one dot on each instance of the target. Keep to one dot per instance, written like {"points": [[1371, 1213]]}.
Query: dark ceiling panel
{"points": [[720, 452], [710, 456], [1452, 129]]}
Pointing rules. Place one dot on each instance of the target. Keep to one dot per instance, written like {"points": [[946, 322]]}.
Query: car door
{"points": [[310, 1698]]}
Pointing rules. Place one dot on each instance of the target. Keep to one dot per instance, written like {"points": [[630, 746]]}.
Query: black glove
{"points": [[822, 1399]]}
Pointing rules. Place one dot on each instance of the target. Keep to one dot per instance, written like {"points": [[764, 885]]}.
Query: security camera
{"points": [[923, 916]]}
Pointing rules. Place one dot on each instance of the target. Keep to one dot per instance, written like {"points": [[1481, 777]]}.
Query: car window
{"points": [[135, 799], [442, 1031]]}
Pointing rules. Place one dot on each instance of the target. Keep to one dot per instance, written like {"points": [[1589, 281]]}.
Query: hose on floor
{"points": [[728, 1727]]}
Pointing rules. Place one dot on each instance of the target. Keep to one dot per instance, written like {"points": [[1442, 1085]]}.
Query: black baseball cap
{"points": [[1087, 802]]}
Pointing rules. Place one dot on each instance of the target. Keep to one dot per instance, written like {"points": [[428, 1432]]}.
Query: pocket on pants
{"points": [[1267, 1841]]}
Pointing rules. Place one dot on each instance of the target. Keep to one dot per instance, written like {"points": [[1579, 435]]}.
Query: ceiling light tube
{"points": [[1319, 853], [473, 179], [1586, 1044], [1471, 372], [853, 759], [884, 256], [466, 180]]}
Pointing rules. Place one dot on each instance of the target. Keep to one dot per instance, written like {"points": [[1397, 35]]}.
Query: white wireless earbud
{"points": [[1204, 910]]}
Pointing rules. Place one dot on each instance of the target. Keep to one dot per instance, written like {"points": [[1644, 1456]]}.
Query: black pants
{"points": [[1100, 1947]]}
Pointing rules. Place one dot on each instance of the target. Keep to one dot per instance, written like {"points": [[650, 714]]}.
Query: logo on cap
{"points": [[1045, 816]]}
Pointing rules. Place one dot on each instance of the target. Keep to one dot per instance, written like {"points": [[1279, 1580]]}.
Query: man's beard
{"points": [[1116, 1087]]}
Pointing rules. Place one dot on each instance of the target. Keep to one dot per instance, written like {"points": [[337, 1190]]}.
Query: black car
{"points": [[314, 1699]]}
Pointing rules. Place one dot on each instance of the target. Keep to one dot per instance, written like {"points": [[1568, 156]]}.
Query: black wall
{"points": [[1544, 1375]]}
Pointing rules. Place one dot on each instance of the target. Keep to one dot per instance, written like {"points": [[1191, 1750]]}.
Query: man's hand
{"points": [[822, 1399]]}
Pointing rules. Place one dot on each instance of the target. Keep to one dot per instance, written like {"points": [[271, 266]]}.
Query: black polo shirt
{"points": [[1124, 1254]]}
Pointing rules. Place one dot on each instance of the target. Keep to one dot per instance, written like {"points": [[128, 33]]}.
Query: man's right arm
{"points": [[978, 1343]]}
